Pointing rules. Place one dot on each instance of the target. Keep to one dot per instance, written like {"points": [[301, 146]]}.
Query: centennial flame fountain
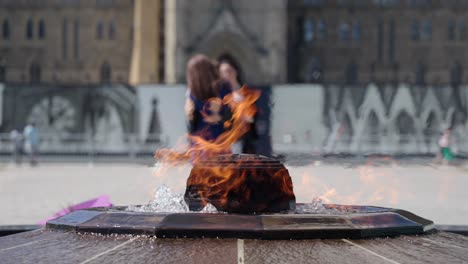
{"points": [[231, 196], [254, 198]]}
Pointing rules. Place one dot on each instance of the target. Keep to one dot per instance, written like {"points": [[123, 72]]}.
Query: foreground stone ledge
{"points": [[346, 222]]}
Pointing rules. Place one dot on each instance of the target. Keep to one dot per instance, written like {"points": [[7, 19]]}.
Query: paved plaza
{"points": [[30, 194]]}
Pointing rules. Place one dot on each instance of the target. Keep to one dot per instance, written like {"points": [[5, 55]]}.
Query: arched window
{"points": [[461, 30], [357, 31], [380, 40], [391, 41], [346, 130], [405, 126], [345, 31], [451, 27], [431, 129], [106, 72], [415, 30], [42, 30], [372, 129], [315, 71], [35, 73], [2, 73], [426, 33], [321, 30], [352, 73], [29, 29], [112, 30], [6, 29], [420, 74], [456, 74], [100, 30], [227, 57], [64, 38], [308, 29]]}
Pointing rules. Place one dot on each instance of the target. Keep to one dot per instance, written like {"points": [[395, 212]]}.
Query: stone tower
{"points": [[145, 64]]}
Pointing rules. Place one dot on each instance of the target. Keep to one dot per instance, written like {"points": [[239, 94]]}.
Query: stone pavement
{"points": [[30, 194]]}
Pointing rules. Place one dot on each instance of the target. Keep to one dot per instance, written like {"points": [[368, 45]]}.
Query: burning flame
{"points": [[237, 183], [242, 105], [242, 185]]}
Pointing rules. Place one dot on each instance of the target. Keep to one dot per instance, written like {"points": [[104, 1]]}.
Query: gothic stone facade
{"points": [[358, 41], [65, 41], [252, 32]]}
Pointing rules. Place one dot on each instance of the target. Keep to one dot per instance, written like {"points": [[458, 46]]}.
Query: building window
{"points": [[321, 30], [315, 71], [451, 27], [29, 29], [6, 29], [380, 40], [106, 72], [64, 38], [2, 73], [386, 3], [100, 30], [308, 30], [426, 33], [76, 39], [415, 30], [420, 74], [456, 74], [112, 30], [352, 73], [314, 2], [42, 29], [345, 31], [405, 126], [35, 73], [461, 30], [357, 31], [391, 41]]}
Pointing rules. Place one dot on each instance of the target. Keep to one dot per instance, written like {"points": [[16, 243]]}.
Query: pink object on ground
{"points": [[101, 201]]}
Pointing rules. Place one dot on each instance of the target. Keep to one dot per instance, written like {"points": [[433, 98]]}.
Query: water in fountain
{"points": [[166, 202]]}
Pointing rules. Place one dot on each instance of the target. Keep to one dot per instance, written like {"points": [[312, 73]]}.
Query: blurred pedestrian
{"points": [[31, 135], [205, 92], [230, 71], [17, 139], [444, 145]]}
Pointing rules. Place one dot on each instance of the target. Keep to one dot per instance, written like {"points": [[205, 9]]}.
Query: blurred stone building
{"points": [[251, 32], [79, 41], [357, 41]]}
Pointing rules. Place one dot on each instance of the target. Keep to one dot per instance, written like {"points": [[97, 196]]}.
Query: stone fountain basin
{"points": [[337, 221]]}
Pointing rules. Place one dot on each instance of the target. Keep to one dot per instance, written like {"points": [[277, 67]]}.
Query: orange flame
{"points": [[242, 105]]}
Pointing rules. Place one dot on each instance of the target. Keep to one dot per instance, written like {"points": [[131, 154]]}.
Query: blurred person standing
{"points": [[31, 135], [230, 72], [17, 138], [204, 107], [444, 145]]}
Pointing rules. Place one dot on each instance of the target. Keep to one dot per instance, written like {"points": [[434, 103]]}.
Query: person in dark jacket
{"points": [[229, 71]]}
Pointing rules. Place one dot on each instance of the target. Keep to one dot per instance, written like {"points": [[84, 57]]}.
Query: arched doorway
{"points": [[106, 72], [405, 126], [227, 57], [35, 72]]}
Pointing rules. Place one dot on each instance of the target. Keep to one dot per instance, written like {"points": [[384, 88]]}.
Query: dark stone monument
{"points": [[240, 184]]}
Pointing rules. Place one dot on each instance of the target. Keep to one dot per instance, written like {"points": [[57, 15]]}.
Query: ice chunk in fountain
{"points": [[315, 207], [209, 208], [164, 202]]}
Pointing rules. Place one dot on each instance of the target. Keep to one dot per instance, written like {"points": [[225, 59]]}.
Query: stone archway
{"points": [[233, 44], [235, 63]]}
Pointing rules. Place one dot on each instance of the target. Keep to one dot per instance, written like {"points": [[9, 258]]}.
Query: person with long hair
{"points": [[204, 107], [230, 71]]}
